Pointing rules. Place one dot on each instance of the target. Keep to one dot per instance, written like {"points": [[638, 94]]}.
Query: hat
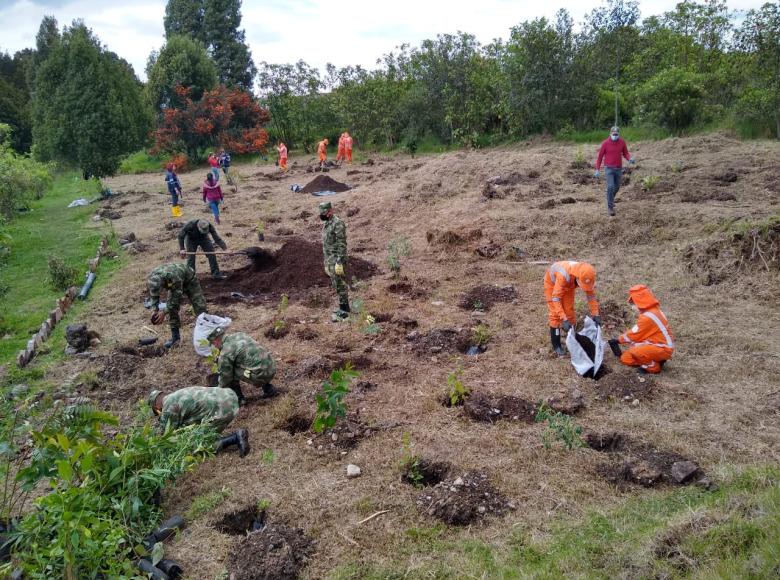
{"points": [[642, 297], [216, 333], [615, 129], [152, 397], [203, 226], [325, 207], [170, 167]]}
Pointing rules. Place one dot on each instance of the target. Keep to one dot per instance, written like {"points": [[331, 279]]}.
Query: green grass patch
{"points": [[48, 229], [206, 503], [630, 134], [141, 162], [733, 532]]}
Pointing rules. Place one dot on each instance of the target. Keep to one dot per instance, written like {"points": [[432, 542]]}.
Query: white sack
{"points": [[204, 324], [579, 358]]}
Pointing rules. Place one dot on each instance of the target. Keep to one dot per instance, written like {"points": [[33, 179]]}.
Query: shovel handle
{"points": [[214, 253]]}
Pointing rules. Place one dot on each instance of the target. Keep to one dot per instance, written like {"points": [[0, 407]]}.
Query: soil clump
{"points": [[485, 409], [626, 386], [463, 500], [324, 183], [275, 553], [407, 289], [440, 340], [485, 296]]}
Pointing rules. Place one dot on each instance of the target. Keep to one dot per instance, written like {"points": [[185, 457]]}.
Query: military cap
{"points": [[152, 397], [216, 333], [325, 207]]}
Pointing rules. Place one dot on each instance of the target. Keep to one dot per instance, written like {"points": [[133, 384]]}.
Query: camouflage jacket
{"points": [[334, 242], [191, 231], [169, 276], [240, 352], [193, 405]]}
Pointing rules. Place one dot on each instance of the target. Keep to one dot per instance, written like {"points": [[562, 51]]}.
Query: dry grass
{"points": [[709, 404]]}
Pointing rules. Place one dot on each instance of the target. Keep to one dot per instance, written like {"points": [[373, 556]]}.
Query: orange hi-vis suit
{"points": [[348, 146], [322, 150], [340, 151], [651, 338], [560, 281], [282, 149]]}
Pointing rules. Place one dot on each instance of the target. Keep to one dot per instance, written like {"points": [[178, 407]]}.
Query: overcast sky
{"points": [[342, 32]]}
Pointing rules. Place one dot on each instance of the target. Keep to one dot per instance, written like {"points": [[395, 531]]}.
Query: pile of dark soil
{"points": [[462, 500], [346, 434], [729, 176], [241, 522], [420, 471], [615, 317], [407, 289], [489, 250], [440, 340], [485, 296], [149, 351], [711, 195], [275, 553], [324, 183], [486, 409], [118, 366], [296, 423], [640, 463], [451, 238], [625, 386], [297, 265], [307, 333]]}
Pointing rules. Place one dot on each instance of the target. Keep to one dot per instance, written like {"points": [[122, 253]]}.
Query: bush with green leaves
{"points": [[330, 402], [61, 275], [649, 182], [560, 427], [102, 487], [673, 99], [21, 179]]}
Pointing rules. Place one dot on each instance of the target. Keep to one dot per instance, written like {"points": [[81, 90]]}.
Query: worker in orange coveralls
{"points": [[348, 146], [322, 151], [560, 281], [651, 340], [282, 149], [340, 155]]}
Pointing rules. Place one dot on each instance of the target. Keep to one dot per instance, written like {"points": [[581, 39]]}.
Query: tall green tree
{"points": [[182, 61], [184, 17], [15, 99], [227, 43], [88, 106]]}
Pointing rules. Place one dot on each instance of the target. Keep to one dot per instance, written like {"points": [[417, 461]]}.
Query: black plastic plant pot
{"points": [[168, 528], [6, 529], [152, 571], [171, 568], [212, 379], [261, 236], [147, 341]]}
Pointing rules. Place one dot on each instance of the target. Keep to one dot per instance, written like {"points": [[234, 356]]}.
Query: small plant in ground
{"points": [[212, 359], [477, 305], [560, 427], [330, 402], [206, 503], [457, 392], [280, 324], [579, 158], [399, 247], [481, 334], [89, 380], [268, 457], [677, 167], [263, 504], [367, 322], [410, 463], [649, 182], [261, 230], [61, 275]]}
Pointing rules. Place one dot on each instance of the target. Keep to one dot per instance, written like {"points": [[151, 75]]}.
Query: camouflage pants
{"points": [[258, 377], [342, 288], [192, 289], [206, 246]]}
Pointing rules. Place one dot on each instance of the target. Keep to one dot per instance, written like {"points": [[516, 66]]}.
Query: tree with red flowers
{"points": [[229, 118]]}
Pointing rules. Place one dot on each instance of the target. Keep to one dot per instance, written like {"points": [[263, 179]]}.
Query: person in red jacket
{"points": [[612, 152], [212, 195], [651, 340], [560, 282]]}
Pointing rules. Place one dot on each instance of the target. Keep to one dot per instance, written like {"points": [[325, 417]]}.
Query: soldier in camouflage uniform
{"points": [[195, 405], [196, 234], [242, 359], [178, 279], [334, 249]]}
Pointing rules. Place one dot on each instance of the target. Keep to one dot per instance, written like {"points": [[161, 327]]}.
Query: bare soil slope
{"points": [[475, 219]]}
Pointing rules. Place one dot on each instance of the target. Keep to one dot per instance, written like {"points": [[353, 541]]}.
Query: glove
{"points": [[183, 253], [223, 245], [566, 326], [158, 317], [339, 269], [632, 161], [597, 320], [596, 174]]}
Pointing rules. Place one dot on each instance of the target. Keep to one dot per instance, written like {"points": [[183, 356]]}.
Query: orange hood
{"points": [[586, 276], [642, 296]]}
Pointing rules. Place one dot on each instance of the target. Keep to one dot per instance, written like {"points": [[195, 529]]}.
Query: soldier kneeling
{"points": [[194, 405], [241, 358]]}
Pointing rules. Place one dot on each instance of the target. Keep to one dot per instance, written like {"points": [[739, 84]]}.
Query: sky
{"points": [[342, 32]]}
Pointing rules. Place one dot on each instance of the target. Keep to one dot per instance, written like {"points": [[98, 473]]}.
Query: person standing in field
{"points": [[322, 151], [334, 250], [348, 146], [612, 152], [173, 183], [282, 149], [214, 163], [224, 163], [340, 155], [212, 195]]}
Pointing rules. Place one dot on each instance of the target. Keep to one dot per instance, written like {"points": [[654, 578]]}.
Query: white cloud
{"points": [[343, 32]]}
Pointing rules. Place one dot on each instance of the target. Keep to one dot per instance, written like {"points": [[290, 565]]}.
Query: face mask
{"points": [[614, 137], [324, 217]]}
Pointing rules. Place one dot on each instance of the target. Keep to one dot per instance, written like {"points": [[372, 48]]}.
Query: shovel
{"points": [[252, 252]]}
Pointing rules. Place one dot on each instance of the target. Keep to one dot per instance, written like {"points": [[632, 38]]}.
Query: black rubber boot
{"points": [[175, 338], [226, 442], [269, 390], [555, 340], [242, 435], [236, 387], [219, 276], [615, 346], [344, 306]]}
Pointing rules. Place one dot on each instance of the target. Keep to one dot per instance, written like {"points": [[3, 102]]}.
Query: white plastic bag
{"points": [[580, 359], [204, 324]]}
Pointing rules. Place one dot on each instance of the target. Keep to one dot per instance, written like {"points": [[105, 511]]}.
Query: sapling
{"points": [[649, 182], [560, 427], [399, 247], [481, 334], [410, 463], [330, 402], [457, 392]]}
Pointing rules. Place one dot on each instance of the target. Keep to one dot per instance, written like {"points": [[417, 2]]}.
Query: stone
{"points": [[706, 483], [642, 472], [482, 509], [21, 359], [683, 471], [127, 238], [353, 471], [458, 482], [567, 403]]}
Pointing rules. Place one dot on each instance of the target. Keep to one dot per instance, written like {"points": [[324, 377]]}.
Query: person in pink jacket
{"points": [[212, 195], [612, 152]]}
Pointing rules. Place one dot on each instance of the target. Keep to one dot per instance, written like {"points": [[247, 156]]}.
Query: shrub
{"points": [[673, 98], [330, 402], [61, 275], [180, 161], [21, 178]]}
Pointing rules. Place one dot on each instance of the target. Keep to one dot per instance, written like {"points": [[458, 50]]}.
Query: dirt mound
{"points": [[485, 296], [462, 500], [275, 553], [324, 183], [625, 386], [346, 434], [451, 238], [440, 340], [615, 317], [711, 195], [408, 289], [297, 265], [486, 409]]}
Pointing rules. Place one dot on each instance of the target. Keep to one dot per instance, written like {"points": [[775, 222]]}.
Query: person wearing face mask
{"points": [[334, 250], [612, 152], [651, 340], [179, 280]]}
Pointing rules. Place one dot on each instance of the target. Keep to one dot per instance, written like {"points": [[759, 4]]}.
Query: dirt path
{"points": [[714, 403]]}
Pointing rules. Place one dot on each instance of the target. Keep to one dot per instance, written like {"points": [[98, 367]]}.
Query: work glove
{"points": [[223, 245], [632, 161], [566, 326], [183, 253], [597, 320], [158, 317], [596, 174], [339, 269]]}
